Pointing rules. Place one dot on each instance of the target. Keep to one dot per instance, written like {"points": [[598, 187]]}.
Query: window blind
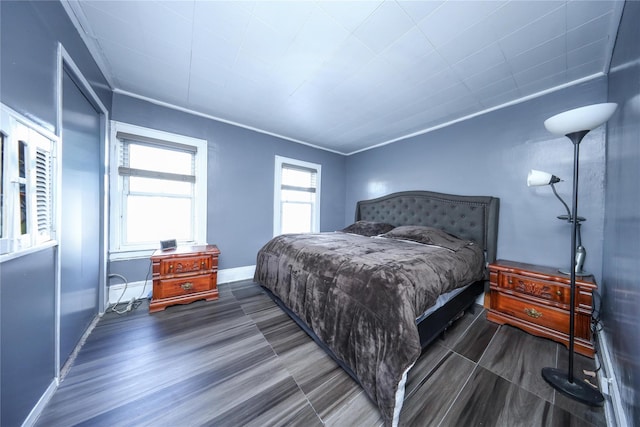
{"points": [[125, 170], [299, 178], [43, 191]]}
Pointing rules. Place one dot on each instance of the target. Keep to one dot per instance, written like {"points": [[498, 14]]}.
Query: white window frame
{"points": [[277, 188], [118, 248], [41, 229]]}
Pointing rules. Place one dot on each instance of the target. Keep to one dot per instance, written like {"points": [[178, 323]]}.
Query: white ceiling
{"points": [[345, 75]]}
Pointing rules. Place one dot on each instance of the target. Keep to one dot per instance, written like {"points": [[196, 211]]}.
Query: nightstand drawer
{"points": [[187, 265], [183, 286], [535, 287], [548, 317]]}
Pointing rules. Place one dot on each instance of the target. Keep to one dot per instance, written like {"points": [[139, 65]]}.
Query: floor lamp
{"points": [[575, 124]]}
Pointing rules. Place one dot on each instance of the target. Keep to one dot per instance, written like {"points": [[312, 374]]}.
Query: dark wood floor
{"points": [[240, 361]]}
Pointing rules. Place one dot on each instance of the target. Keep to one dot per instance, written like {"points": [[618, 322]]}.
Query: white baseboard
{"points": [[234, 274], [44, 399], [613, 408], [134, 290]]}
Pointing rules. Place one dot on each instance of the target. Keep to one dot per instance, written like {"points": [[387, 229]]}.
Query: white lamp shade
{"points": [[537, 178], [579, 119]]}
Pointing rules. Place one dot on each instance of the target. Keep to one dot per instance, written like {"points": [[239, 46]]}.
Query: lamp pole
{"points": [[576, 138]]}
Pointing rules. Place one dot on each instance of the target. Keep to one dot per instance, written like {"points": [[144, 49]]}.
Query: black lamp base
{"points": [[577, 390]]}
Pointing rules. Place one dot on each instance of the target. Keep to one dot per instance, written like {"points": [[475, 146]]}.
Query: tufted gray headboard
{"points": [[467, 217]]}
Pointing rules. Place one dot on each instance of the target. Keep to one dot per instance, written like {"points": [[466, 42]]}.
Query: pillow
{"points": [[368, 228], [427, 236]]}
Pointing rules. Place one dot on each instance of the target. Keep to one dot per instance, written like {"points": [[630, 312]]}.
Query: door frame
{"points": [[66, 64]]}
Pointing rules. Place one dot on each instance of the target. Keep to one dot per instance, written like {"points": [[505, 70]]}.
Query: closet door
{"points": [[80, 221]]}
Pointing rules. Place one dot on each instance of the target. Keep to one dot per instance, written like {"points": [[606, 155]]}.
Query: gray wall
{"points": [[26, 333], [240, 181], [491, 155], [29, 33], [621, 262], [29, 39]]}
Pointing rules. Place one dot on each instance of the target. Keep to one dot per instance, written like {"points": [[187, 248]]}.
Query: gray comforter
{"points": [[362, 295]]}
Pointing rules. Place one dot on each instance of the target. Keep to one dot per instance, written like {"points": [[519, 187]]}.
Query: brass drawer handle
{"points": [[170, 267], [510, 280], [187, 286], [532, 312], [559, 293]]}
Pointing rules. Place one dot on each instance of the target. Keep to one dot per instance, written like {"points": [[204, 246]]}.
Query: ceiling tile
{"points": [[263, 42], [587, 69], [541, 53], [488, 76], [170, 53], [449, 94], [285, 17], [465, 104], [466, 43], [128, 11], [124, 60], [211, 47], [156, 22], [250, 68], [184, 8], [590, 32], [496, 88], [480, 61], [545, 83], [518, 14], [350, 57], [549, 68], [308, 43], [580, 11], [348, 13], [376, 71], [226, 19], [408, 49], [454, 17], [103, 26], [206, 68], [535, 34], [499, 98], [387, 23], [418, 10], [204, 87], [587, 53], [426, 68]]}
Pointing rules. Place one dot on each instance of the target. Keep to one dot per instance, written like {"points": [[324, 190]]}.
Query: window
{"points": [[161, 190], [26, 183], [297, 197]]}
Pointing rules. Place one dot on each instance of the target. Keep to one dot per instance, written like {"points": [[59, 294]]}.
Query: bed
{"points": [[374, 301]]}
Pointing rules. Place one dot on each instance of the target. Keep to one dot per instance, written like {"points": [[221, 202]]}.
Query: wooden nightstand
{"points": [[184, 275], [536, 299]]}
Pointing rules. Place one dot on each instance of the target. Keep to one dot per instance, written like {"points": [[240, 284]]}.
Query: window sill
{"points": [[132, 254], [139, 253], [27, 251]]}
